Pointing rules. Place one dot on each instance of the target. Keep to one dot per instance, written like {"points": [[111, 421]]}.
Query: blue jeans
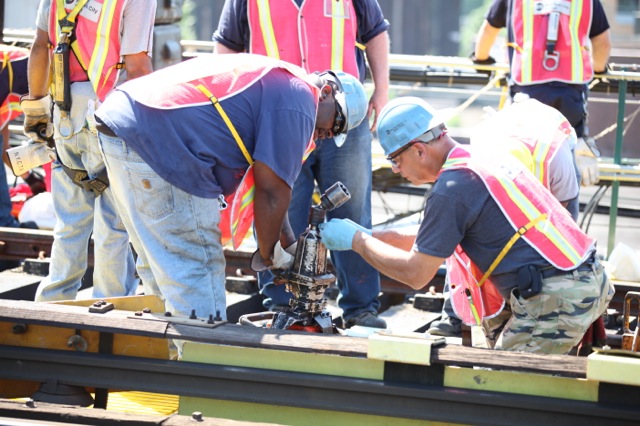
{"points": [[174, 233], [359, 282], [79, 213]]}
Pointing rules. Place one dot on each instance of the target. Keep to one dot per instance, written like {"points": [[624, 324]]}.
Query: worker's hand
{"points": [[337, 234], [37, 118], [281, 258], [586, 154], [360, 227], [488, 61]]}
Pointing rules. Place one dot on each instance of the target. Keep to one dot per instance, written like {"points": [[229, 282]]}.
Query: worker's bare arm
{"points": [[272, 198], [398, 238], [137, 65], [38, 70], [412, 268], [222, 49], [486, 37]]}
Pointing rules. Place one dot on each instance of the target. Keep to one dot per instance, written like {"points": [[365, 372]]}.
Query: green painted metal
{"points": [[617, 159], [522, 383], [303, 362], [277, 414]]}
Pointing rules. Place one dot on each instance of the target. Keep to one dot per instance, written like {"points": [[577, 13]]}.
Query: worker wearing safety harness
{"points": [[84, 47], [555, 47], [541, 138], [318, 35], [516, 241], [182, 143]]}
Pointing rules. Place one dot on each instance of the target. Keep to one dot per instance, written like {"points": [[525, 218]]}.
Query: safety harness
{"points": [[62, 93]]}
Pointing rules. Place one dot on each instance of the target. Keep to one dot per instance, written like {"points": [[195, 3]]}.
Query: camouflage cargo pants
{"points": [[555, 320]]}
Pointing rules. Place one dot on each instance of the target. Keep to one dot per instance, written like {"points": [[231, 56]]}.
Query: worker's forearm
{"points": [[396, 238], [38, 68], [391, 261], [378, 57], [601, 46], [486, 37]]}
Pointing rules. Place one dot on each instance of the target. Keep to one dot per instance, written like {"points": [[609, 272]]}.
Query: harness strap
{"points": [[227, 121], [519, 233]]}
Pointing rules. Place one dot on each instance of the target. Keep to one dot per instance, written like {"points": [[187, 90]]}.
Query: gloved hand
{"points": [[586, 154], [360, 227], [281, 258], [37, 118], [337, 234], [488, 61]]}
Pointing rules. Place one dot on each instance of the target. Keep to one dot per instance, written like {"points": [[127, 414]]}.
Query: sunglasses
{"points": [[392, 158], [425, 138], [339, 122]]}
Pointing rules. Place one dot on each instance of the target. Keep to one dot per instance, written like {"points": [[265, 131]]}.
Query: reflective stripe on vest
{"points": [[520, 197], [10, 108], [98, 49], [330, 33], [531, 64]]}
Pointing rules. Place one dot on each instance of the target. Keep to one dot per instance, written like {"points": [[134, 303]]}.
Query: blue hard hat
{"points": [[403, 120], [352, 100]]}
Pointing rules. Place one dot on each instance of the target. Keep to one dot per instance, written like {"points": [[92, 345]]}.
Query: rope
{"points": [[492, 83], [611, 128]]}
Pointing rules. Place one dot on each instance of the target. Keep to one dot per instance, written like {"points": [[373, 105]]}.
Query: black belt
{"points": [[554, 272], [104, 129]]}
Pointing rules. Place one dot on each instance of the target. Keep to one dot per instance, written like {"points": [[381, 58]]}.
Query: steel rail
{"points": [[416, 399]]}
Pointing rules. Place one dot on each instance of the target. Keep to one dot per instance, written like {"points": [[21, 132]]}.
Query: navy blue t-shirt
{"points": [[460, 210], [192, 148], [233, 27]]}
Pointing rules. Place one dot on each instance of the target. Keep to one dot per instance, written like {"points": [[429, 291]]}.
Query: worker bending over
{"points": [[510, 227], [178, 141]]}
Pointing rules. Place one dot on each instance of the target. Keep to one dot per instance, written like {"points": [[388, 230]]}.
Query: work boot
{"points": [[366, 319], [447, 326]]}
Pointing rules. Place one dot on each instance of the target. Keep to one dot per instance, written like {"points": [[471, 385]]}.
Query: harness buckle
{"points": [[550, 61]]}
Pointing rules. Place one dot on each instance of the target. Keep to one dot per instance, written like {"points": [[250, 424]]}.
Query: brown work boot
{"points": [[366, 319]]}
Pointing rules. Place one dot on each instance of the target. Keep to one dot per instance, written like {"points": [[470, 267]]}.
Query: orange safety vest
{"points": [[317, 36], [97, 45], [210, 79], [10, 108], [535, 214], [551, 41]]}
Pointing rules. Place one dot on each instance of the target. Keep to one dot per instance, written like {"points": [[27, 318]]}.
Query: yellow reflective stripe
{"points": [[337, 34], [227, 121], [577, 67], [266, 27], [247, 199], [101, 49], [547, 228], [527, 41], [540, 153]]}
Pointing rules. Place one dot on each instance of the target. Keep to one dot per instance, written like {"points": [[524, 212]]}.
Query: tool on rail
{"points": [[308, 278]]}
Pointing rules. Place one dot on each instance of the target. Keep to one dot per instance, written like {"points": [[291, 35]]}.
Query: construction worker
{"points": [[177, 142], [88, 61], [540, 138], [318, 35], [555, 47], [13, 83], [515, 233]]}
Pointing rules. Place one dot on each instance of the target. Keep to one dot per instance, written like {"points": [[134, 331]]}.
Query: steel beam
{"points": [[384, 398]]}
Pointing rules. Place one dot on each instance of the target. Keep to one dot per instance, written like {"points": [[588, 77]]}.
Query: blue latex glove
{"points": [[337, 234], [360, 227]]}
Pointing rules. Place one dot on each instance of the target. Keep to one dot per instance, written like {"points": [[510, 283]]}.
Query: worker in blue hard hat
{"points": [[504, 235], [177, 142]]}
